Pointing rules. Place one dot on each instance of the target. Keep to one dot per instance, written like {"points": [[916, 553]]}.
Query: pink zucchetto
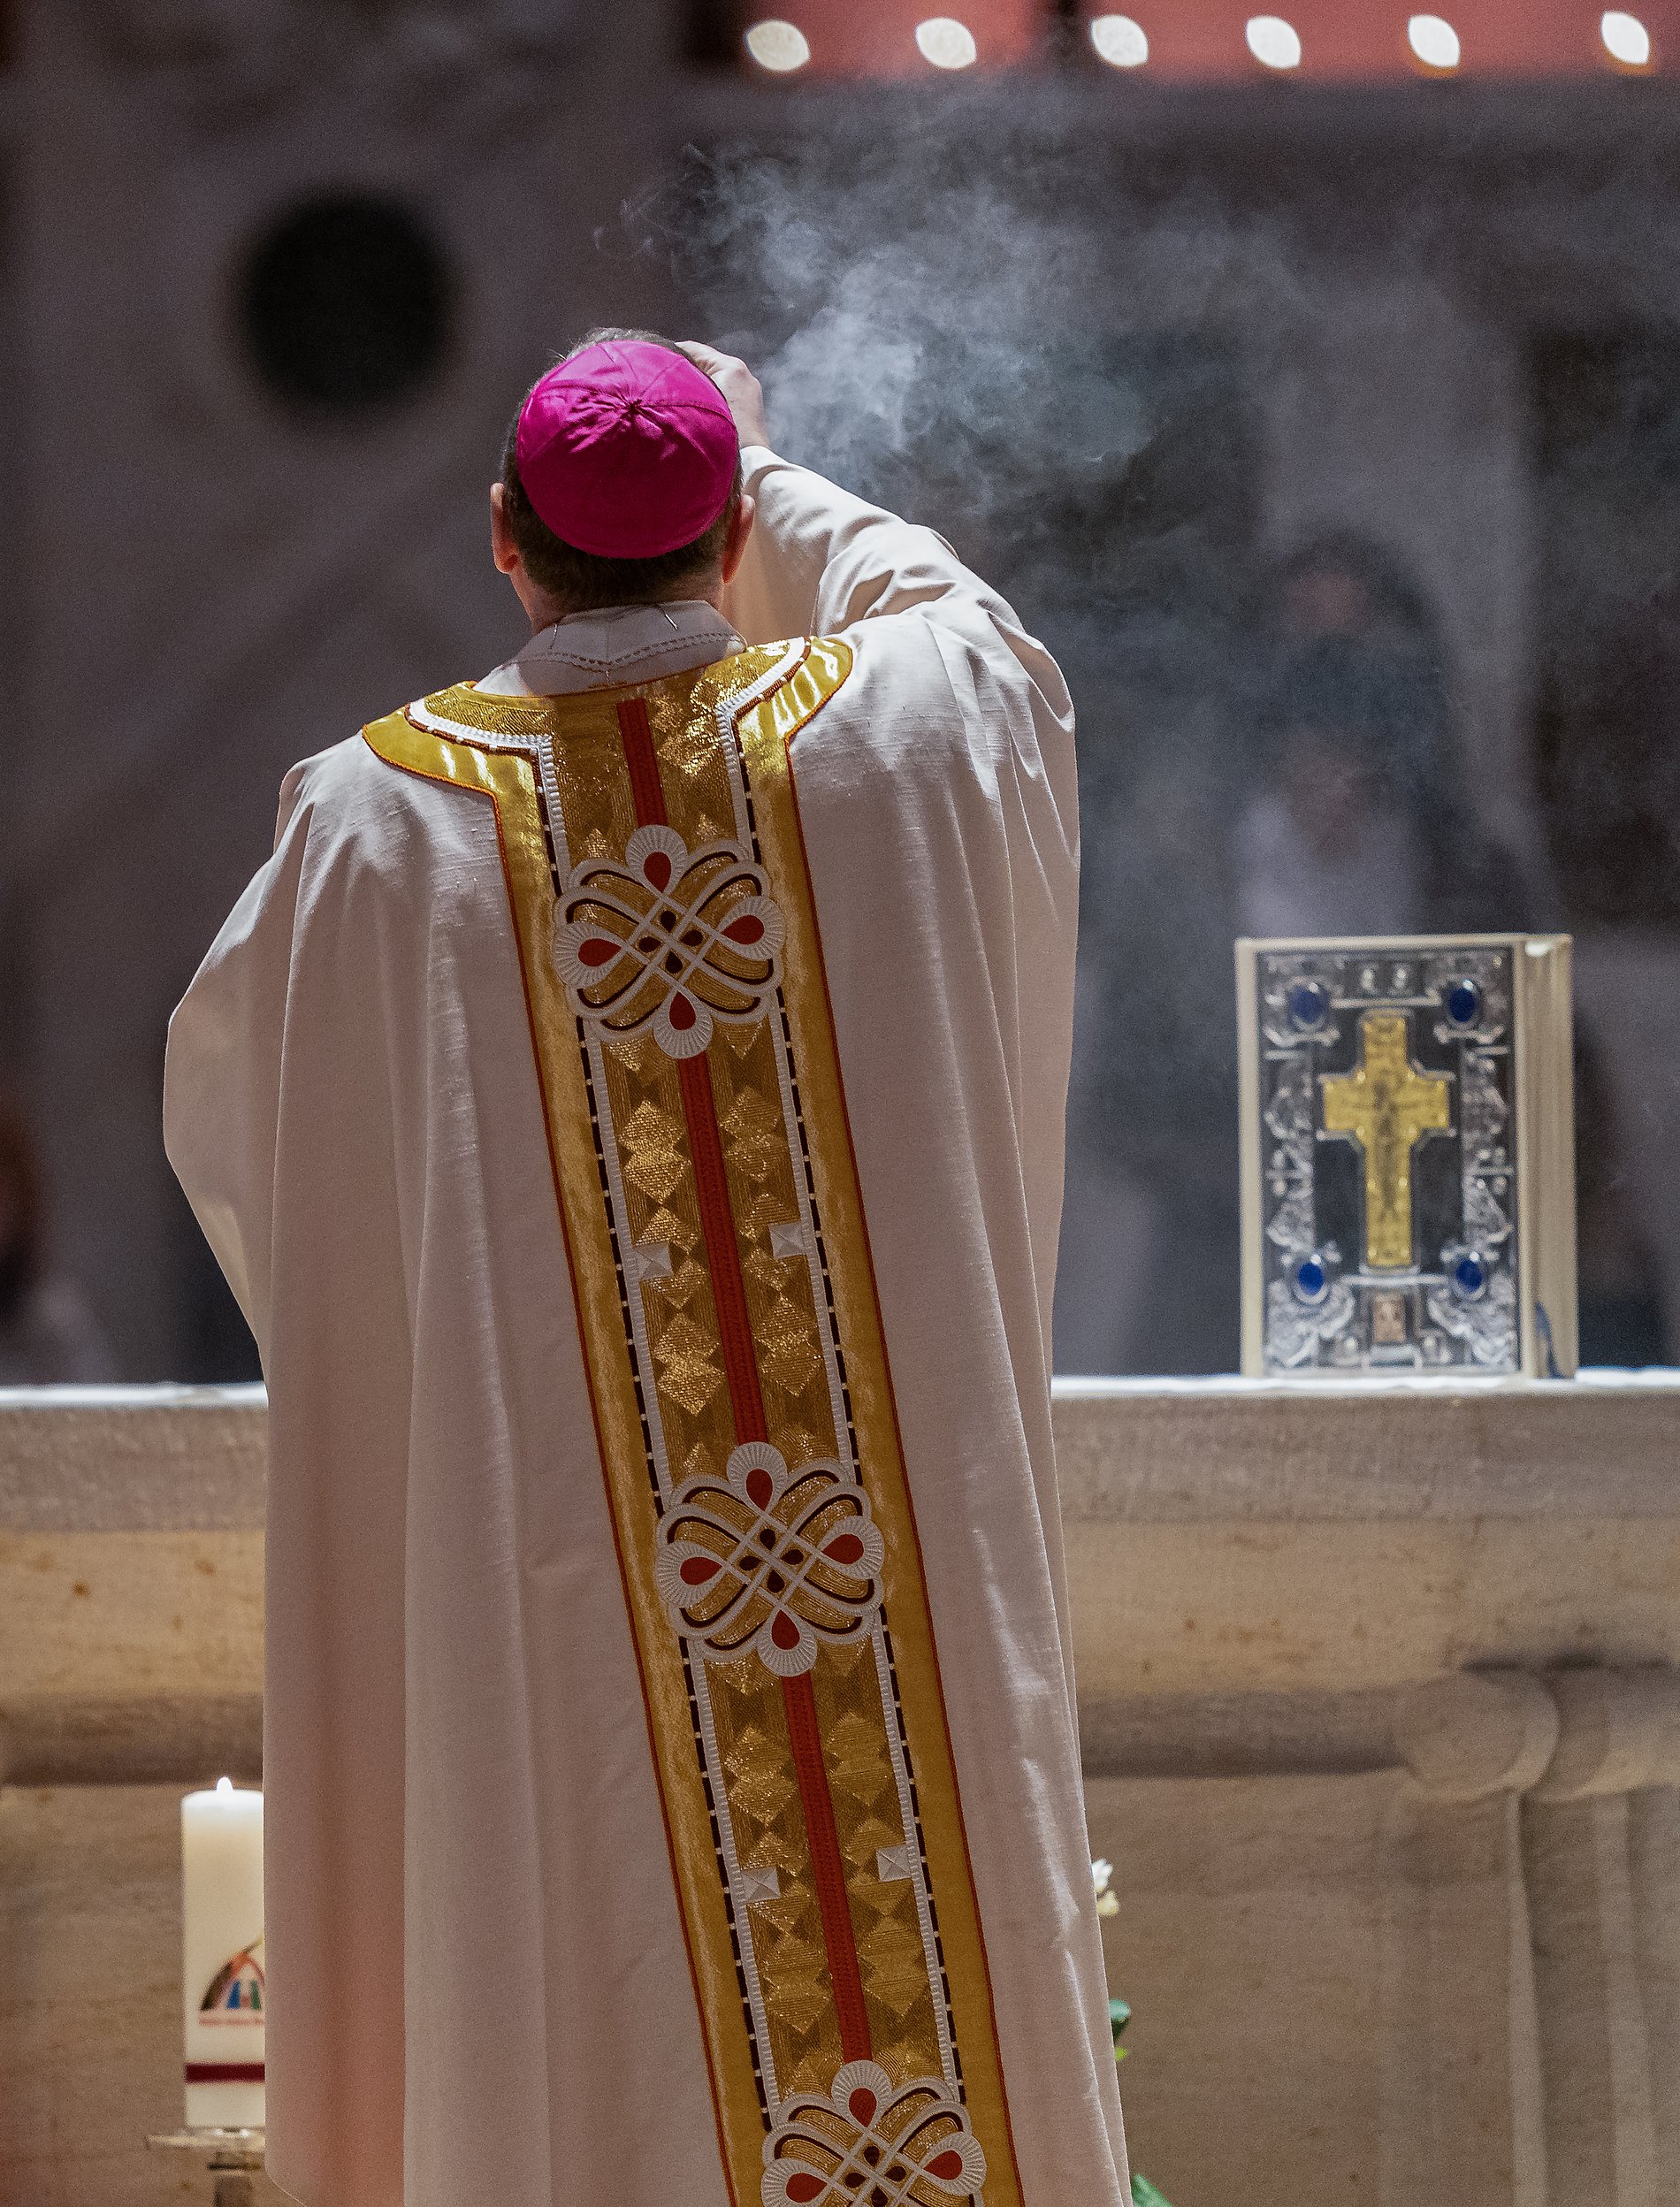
{"points": [[626, 450]]}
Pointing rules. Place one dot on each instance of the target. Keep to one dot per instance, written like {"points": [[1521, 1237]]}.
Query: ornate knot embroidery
{"points": [[769, 1560], [672, 939], [865, 2145]]}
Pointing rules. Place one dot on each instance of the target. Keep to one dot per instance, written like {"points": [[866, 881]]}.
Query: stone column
{"points": [[1461, 2091], [1601, 1858]]}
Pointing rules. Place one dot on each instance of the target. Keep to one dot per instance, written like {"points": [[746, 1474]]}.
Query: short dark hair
{"points": [[583, 581]]}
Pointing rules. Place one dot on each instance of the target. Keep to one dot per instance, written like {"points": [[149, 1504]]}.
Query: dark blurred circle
{"points": [[345, 304]]}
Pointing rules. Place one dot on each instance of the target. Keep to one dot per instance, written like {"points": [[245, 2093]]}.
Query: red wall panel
{"points": [[1349, 40], [877, 38], [1366, 39]]}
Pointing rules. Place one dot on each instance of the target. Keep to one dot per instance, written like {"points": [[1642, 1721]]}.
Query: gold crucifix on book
{"points": [[1387, 1106]]}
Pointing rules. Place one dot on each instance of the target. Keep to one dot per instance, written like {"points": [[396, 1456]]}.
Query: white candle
{"points": [[225, 1998]]}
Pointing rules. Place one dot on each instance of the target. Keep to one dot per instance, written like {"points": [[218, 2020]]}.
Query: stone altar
{"points": [[1382, 1734]]}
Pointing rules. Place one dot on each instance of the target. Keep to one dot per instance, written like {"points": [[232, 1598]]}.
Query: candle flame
{"points": [[224, 1785]]}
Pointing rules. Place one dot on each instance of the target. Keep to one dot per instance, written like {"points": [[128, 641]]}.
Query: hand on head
{"points": [[739, 385]]}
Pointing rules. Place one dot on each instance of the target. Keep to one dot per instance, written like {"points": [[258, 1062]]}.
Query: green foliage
{"points": [[1143, 2193]]}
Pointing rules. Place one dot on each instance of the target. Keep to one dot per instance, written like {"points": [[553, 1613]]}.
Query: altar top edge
{"points": [[147, 1460]]}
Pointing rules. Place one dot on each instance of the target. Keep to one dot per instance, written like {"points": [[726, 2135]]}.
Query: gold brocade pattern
{"points": [[645, 1107], [762, 1932], [896, 1983], [764, 1196], [693, 771], [769, 1835]]}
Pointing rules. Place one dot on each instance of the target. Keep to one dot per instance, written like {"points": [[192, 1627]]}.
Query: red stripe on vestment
{"points": [[746, 1401], [225, 2072], [642, 764], [827, 1867], [723, 1255]]}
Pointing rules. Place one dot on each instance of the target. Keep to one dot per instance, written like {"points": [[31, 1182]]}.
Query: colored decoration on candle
{"points": [[224, 1992]]}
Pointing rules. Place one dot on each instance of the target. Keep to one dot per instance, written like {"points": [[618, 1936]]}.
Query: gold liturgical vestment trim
{"points": [[767, 1538]]}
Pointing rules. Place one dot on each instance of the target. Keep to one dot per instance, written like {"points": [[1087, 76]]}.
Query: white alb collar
{"points": [[592, 651]]}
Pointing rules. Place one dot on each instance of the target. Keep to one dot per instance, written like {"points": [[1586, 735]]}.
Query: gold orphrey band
{"points": [[732, 1338]]}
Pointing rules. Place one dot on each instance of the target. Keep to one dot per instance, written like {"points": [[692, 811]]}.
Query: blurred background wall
{"points": [[1319, 403]]}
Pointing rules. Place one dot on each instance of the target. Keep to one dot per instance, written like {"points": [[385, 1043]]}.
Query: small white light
{"points": [[1433, 41], [1119, 41], [946, 43], [224, 1785], [778, 47], [1274, 44], [1626, 40]]}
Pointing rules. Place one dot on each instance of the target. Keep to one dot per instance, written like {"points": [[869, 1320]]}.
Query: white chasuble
{"points": [[629, 1107]]}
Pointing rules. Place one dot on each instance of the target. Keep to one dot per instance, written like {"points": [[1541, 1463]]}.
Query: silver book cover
{"points": [[1408, 1156]]}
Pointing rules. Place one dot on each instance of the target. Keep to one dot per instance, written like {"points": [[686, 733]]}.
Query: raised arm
{"points": [[820, 562]]}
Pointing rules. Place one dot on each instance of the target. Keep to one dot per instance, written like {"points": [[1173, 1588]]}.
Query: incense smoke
{"points": [[1066, 348]]}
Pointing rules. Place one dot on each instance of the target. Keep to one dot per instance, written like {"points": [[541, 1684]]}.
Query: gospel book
{"points": [[1408, 1156]]}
